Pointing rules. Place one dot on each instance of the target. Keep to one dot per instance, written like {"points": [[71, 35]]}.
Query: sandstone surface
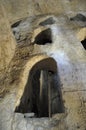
{"points": [[42, 45]]}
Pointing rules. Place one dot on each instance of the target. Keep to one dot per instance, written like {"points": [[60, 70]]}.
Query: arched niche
{"points": [[44, 37], [42, 95]]}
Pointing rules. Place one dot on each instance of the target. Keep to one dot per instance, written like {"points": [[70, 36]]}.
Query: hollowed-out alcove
{"points": [[48, 21], [84, 43], [42, 94], [44, 37]]}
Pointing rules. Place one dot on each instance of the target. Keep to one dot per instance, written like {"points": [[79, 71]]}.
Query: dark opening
{"points": [[84, 43], [44, 37], [42, 95], [78, 17], [16, 24], [48, 21]]}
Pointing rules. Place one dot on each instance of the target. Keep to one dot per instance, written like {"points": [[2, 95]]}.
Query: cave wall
{"points": [[65, 48]]}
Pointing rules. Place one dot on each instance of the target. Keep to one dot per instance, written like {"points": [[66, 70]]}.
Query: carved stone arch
{"points": [[30, 100]]}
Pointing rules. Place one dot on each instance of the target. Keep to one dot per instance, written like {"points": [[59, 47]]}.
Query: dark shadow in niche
{"points": [[84, 43], [78, 17], [48, 21], [44, 37], [16, 24], [42, 94]]}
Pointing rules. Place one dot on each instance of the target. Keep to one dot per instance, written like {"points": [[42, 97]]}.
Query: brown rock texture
{"points": [[7, 41]]}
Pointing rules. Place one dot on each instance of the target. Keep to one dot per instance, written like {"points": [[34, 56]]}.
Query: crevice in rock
{"points": [[78, 17], [48, 21], [44, 37], [16, 24]]}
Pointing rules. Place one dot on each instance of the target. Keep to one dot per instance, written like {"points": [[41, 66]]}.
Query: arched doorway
{"points": [[42, 95]]}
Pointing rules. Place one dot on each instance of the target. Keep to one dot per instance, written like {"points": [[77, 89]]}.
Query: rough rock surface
{"points": [[65, 49], [17, 9], [7, 41]]}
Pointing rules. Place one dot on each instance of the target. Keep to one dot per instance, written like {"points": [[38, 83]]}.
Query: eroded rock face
{"points": [[17, 9], [65, 50], [7, 41]]}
